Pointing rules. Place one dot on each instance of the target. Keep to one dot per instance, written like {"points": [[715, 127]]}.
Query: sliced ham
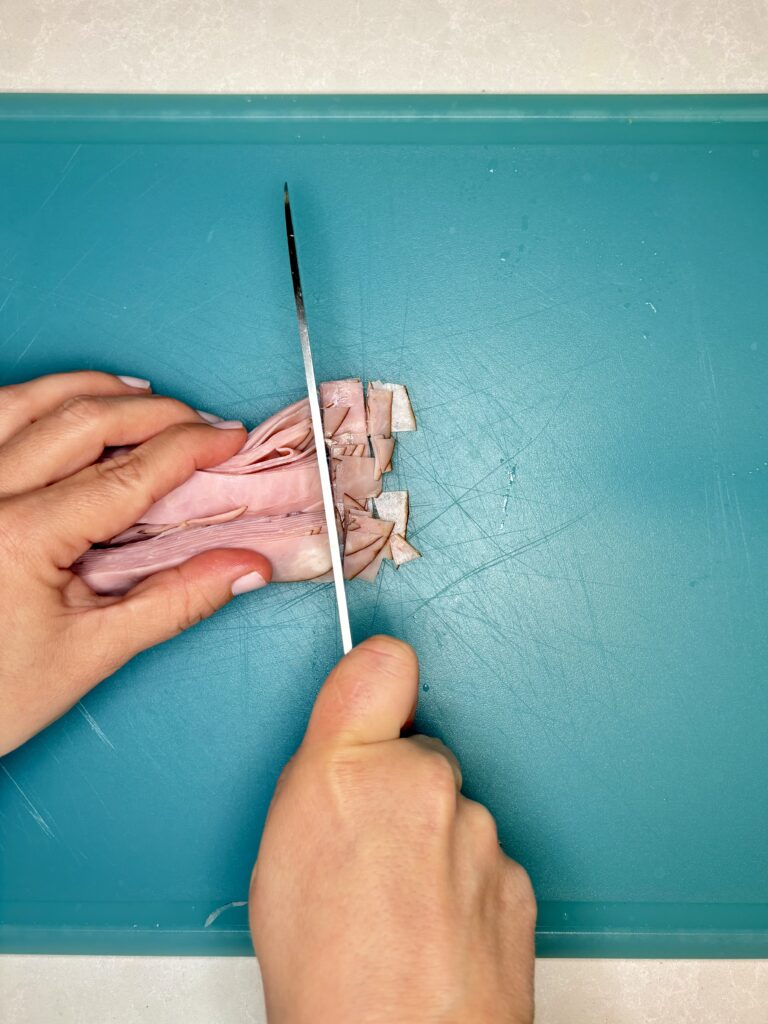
{"points": [[296, 546], [292, 488]]}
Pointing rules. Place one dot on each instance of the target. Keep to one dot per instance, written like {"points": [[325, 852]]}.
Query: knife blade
{"points": [[317, 430]]}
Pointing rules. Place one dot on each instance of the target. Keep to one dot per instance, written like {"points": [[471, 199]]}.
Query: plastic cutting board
{"points": [[576, 293]]}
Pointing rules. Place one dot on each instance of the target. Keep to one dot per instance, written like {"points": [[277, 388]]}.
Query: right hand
{"points": [[380, 893]]}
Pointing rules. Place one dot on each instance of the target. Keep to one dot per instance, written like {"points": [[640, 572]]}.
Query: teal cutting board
{"points": [[576, 293]]}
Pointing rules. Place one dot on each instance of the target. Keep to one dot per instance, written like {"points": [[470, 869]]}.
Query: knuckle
{"points": [[437, 791], [440, 777], [483, 826], [11, 399], [81, 410], [520, 892], [183, 433], [123, 472], [196, 605], [172, 407]]}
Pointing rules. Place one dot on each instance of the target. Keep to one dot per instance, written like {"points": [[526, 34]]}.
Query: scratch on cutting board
{"points": [[63, 175], [28, 346], [651, 307], [94, 725], [220, 910], [36, 815]]}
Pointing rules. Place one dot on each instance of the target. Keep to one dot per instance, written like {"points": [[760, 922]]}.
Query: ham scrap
{"points": [[267, 498]]}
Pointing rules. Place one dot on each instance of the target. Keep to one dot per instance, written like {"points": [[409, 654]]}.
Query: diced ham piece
{"points": [[379, 411], [403, 419], [364, 543], [346, 394], [393, 505], [383, 449], [356, 477]]}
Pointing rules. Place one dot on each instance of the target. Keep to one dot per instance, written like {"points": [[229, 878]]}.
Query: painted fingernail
{"points": [[251, 581], [229, 425], [209, 417], [135, 382]]}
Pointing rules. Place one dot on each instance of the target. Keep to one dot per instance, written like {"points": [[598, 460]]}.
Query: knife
{"points": [[317, 430]]}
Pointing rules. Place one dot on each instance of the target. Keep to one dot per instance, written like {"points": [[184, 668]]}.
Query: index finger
{"points": [[106, 498], [22, 404]]}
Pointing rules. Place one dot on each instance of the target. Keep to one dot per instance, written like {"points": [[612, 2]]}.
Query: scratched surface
{"points": [[583, 330]]}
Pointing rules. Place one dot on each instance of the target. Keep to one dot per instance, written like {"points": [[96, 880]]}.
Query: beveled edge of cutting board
{"points": [[426, 119], [576, 929]]}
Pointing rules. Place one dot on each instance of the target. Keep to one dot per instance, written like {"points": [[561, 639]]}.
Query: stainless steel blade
{"points": [[317, 430]]}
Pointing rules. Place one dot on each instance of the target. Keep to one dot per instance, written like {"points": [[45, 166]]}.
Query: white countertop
{"points": [[380, 46], [384, 46]]}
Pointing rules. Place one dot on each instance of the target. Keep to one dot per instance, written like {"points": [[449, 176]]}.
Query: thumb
{"points": [[368, 696], [173, 600]]}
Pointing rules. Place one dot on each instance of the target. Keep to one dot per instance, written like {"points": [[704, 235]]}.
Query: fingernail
{"points": [[209, 417], [251, 581], [229, 425], [135, 382]]}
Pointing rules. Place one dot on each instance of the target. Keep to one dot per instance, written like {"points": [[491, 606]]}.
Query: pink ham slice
{"points": [[274, 473], [293, 488]]}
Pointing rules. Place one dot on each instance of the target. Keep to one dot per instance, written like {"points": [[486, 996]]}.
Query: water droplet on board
{"points": [[425, 687], [504, 256]]}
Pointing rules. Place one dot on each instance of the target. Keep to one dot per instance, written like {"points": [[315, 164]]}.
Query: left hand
{"points": [[59, 638]]}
